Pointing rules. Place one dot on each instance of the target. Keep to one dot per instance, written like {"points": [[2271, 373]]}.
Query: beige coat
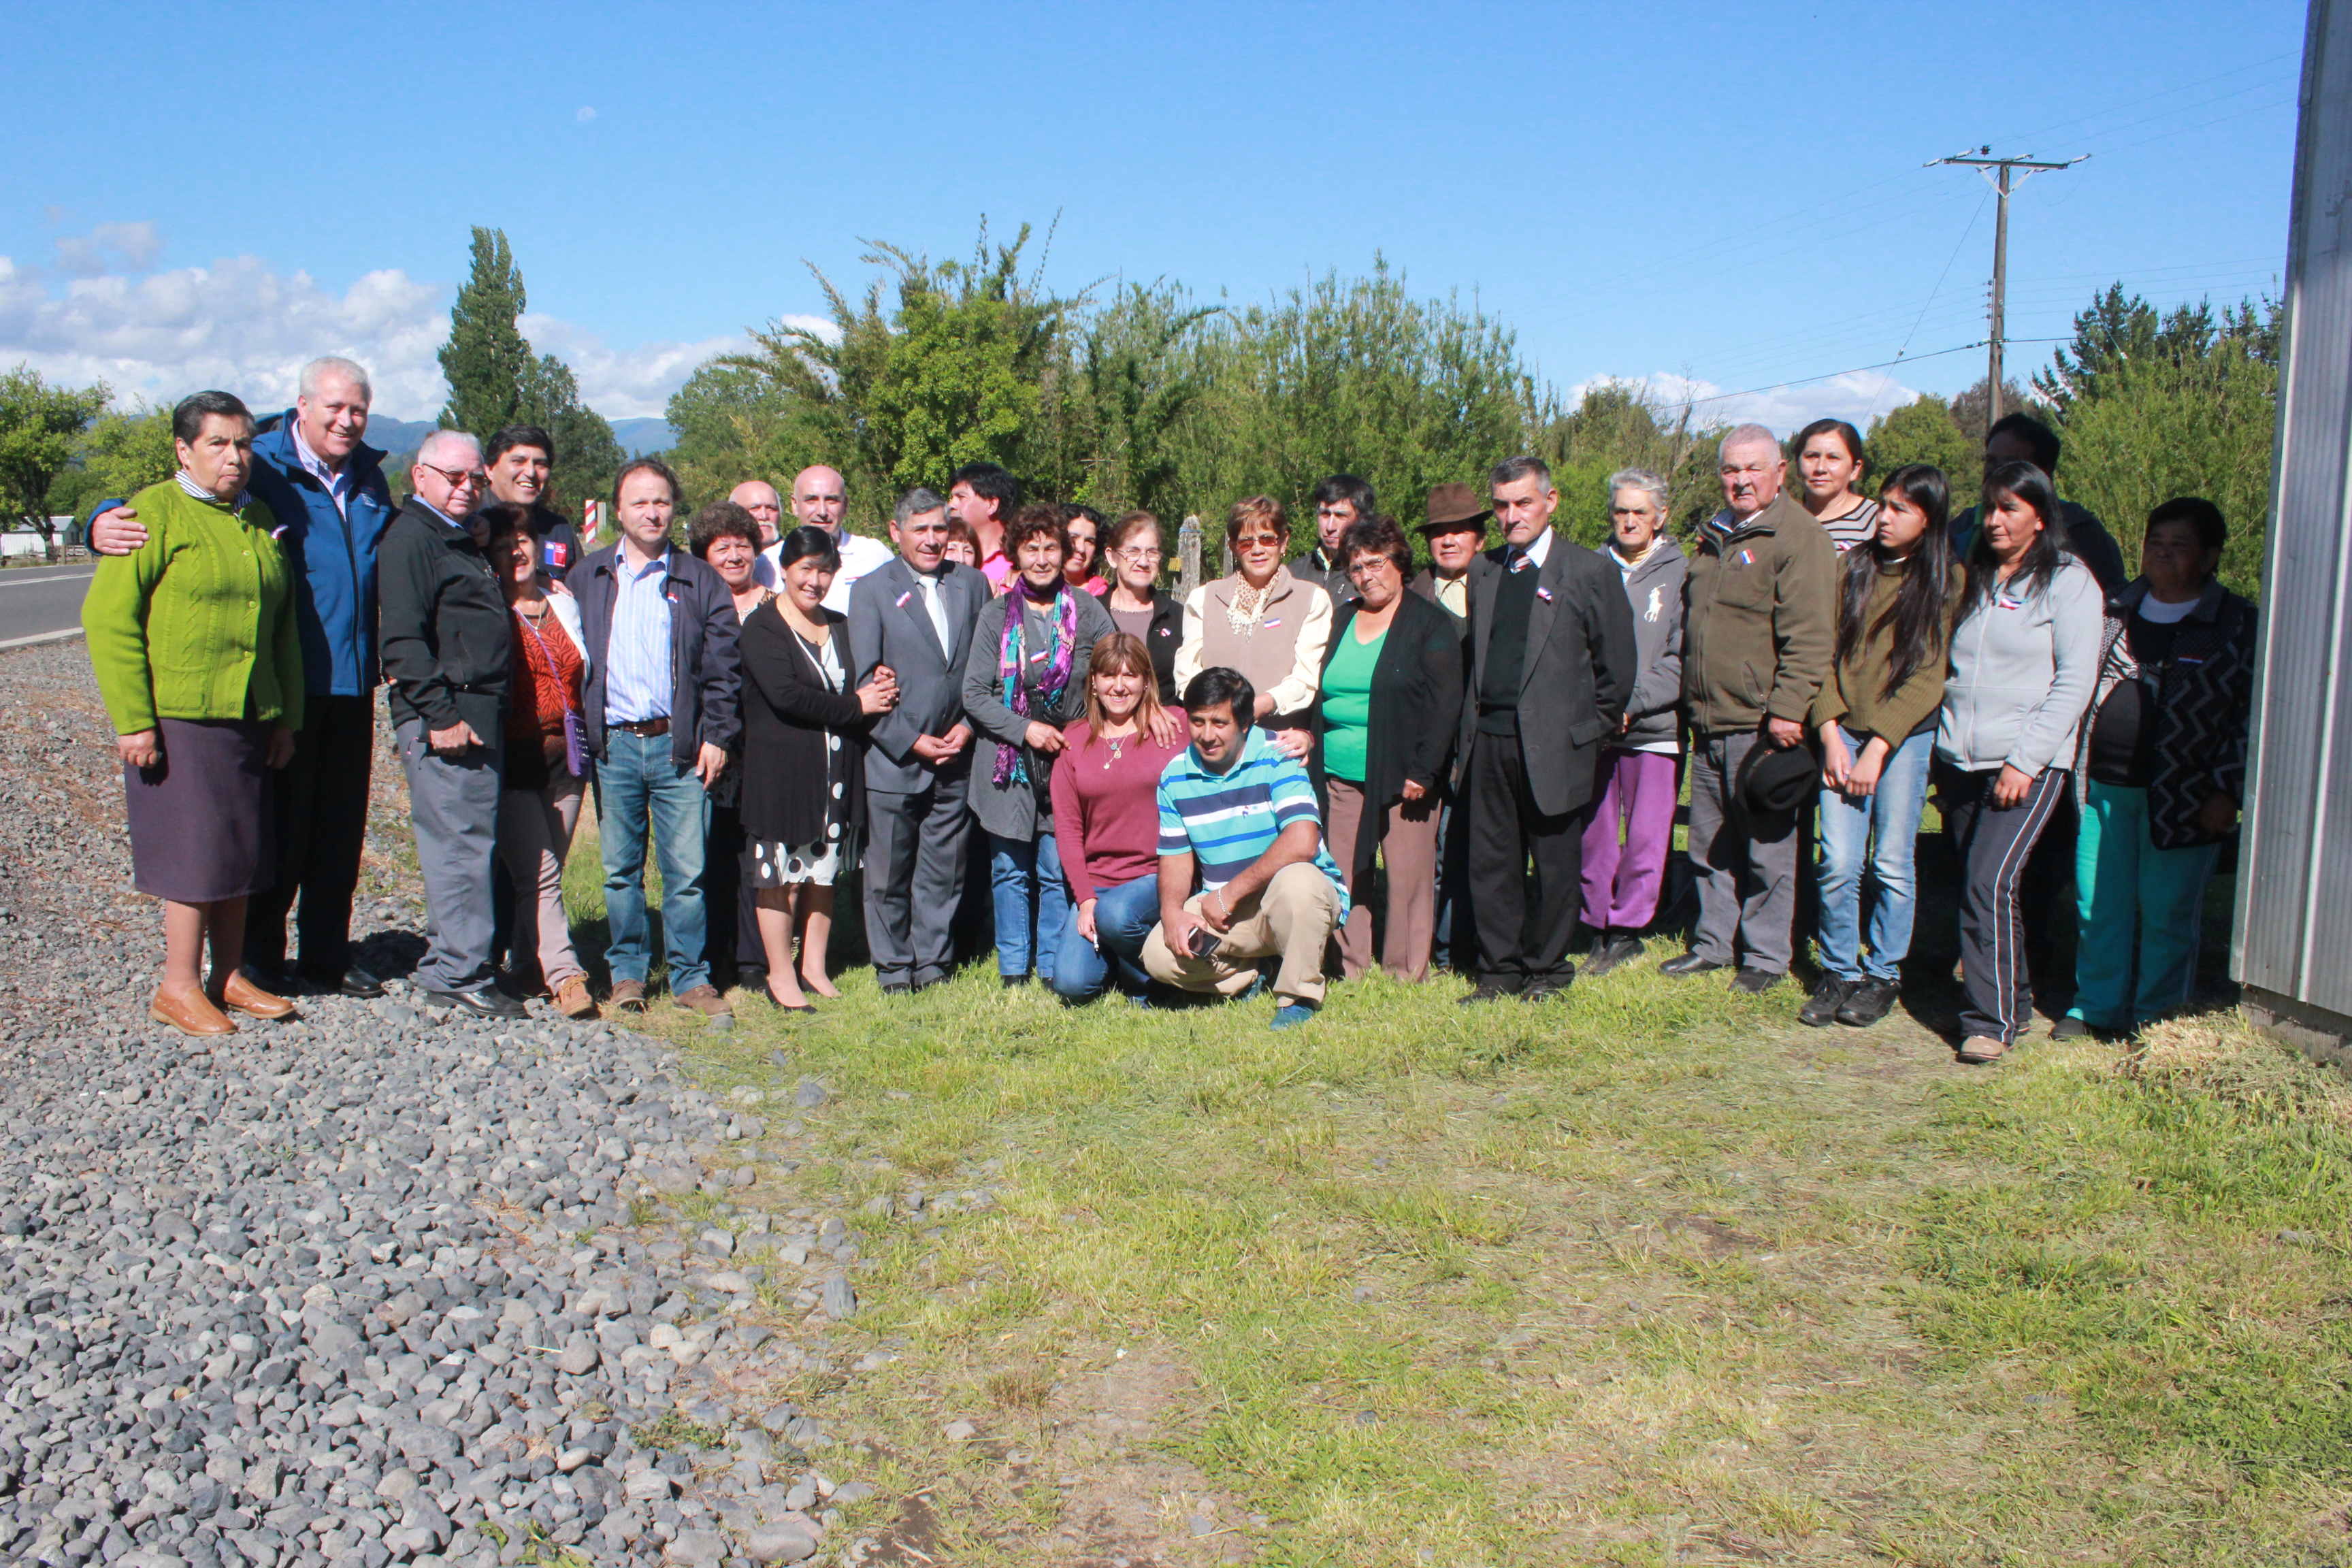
{"points": [[1279, 647]]}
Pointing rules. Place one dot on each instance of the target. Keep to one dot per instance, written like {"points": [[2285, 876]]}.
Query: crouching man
{"points": [[1240, 813]]}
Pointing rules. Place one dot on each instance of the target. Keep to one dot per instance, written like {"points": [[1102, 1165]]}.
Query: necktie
{"points": [[1520, 559], [939, 611]]}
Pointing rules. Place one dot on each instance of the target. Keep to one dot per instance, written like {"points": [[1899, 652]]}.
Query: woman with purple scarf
{"points": [[1026, 678]]}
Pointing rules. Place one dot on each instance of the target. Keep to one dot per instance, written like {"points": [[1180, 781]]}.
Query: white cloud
{"points": [[586, 113], [1857, 395], [240, 325]]}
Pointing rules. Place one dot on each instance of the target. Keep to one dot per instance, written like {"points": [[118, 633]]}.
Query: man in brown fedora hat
{"points": [[1456, 531]]}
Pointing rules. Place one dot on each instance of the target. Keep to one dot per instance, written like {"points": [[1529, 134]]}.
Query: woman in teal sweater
{"points": [[193, 639]]}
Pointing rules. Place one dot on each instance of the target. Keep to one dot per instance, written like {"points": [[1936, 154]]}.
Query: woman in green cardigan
{"points": [[193, 639]]}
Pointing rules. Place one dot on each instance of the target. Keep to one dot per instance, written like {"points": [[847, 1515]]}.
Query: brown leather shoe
{"points": [[251, 1000], [571, 998], [190, 1012], [704, 1000], [628, 995]]}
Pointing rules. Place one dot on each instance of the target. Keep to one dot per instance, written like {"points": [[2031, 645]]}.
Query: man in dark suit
{"points": [[1455, 531], [1552, 662], [915, 615]]}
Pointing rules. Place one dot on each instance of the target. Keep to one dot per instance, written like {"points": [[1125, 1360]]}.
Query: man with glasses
{"points": [[445, 647], [326, 488], [1339, 500]]}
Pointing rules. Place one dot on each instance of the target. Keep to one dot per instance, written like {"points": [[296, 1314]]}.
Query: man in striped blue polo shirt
{"points": [[1239, 813]]}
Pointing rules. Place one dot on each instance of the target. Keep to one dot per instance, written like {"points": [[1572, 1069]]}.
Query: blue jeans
{"points": [[1890, 814], [1026, 875], [1124, 916], [639, 786]]}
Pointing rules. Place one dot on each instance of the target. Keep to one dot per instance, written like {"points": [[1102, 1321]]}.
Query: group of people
{"points": [[1303, 770]]}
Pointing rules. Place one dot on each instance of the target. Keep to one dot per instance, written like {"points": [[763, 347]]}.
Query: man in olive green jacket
{"points": [[1759, 635]]}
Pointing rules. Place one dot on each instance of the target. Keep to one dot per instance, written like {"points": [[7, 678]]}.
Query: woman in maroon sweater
{"points": [[1107, 819]]}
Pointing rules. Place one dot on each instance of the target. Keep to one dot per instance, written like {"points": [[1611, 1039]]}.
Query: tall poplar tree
{"points": [[495, 379]]}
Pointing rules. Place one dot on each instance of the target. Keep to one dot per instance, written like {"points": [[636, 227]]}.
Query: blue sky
{"points": [[1728, 194]]}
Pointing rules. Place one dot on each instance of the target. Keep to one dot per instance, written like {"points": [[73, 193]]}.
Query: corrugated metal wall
{"points": [[2294, 934]]}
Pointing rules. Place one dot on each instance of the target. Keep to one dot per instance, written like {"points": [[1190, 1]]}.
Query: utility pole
{"points": [[1984, 163]]}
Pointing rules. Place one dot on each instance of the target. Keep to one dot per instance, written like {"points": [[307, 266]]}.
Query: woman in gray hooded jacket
{"points": [[1639, 770], [2025, 656]]}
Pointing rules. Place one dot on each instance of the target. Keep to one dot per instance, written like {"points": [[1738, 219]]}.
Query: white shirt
{"points": [[859, 555], [1539, 553], [338, 485]]}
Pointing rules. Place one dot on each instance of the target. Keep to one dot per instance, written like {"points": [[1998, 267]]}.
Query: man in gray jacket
{"points": [[916, 614], [1641, 769]]}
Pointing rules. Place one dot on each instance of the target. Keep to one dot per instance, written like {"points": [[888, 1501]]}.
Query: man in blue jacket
{"points": [[326, 488], [662, 707]]}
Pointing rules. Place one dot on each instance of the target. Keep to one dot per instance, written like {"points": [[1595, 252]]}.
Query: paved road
{"points": [[37, 602]]}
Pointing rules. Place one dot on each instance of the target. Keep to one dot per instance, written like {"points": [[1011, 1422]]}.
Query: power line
{"points": [[1856, 370]]}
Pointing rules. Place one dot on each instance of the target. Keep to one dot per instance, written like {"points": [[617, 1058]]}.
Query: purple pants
{"points": [[1636, 798]]}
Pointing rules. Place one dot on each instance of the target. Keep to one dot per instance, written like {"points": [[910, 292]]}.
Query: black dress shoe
{"points": [[1493, 989], [1868, 1003], [356, 983], [487, 1003], [1610, 953], [1548, 987], [898, 988], [1690, 964], [1820, 1009], [1755, 982]]}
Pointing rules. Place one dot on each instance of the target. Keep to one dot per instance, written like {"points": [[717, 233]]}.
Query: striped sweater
{"points": [[1226, 821]]}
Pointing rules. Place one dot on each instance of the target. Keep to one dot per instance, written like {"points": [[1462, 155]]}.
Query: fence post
{"points": [[1188, 555]]}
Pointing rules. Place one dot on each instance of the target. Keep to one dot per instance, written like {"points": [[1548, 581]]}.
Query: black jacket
{"points": [[1417, 697], [705, 675], [1581, 664], [2204, 696], [789, 712], [445, 628], [1165, 637]]}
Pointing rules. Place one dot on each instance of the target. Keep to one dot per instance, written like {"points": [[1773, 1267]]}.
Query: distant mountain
{"points": [[398, 437], [639, 437]]}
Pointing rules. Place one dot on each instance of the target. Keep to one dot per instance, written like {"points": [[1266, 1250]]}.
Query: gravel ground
{"points": [[365, 1287]]}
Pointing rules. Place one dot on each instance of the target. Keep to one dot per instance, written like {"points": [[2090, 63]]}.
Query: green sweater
{"points": [[196, 619], [1855, 693]]}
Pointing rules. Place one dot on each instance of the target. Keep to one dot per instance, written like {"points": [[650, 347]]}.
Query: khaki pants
{"points": [[535, 829], [1409, 850], [1291, 919]]}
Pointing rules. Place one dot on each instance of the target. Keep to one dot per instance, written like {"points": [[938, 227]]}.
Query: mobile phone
{"points": [[1204, 942]]}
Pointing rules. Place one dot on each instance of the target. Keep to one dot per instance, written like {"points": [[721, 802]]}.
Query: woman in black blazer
{"points": [[1384, 722], [803, 796], [1131, 559]]}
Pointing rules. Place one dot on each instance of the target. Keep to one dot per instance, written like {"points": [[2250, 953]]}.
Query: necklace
{"points": [[1115, 744]]}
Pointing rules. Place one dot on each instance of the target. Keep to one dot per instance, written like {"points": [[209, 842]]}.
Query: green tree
{"points": [[955, 369], [2159, 428], [127, 452], [2118, 331], [1925, 432], [1620, 424], [495, 380], [41, 428], [734, 425]]}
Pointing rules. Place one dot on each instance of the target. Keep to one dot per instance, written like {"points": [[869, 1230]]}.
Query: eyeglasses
{"points": [[1259, 542], [1368, 565], [460, 479], [1137, 554]]}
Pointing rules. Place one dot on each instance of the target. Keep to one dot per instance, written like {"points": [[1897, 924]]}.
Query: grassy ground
{"points": [[1653, 1275]]}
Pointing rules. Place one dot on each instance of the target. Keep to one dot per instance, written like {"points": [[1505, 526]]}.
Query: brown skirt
{"points": [[200, 819]]}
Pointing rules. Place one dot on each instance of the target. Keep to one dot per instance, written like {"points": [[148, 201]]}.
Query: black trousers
{"points": [[1518, 945], [1994, 843], [729, 901], [321, 825]]}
